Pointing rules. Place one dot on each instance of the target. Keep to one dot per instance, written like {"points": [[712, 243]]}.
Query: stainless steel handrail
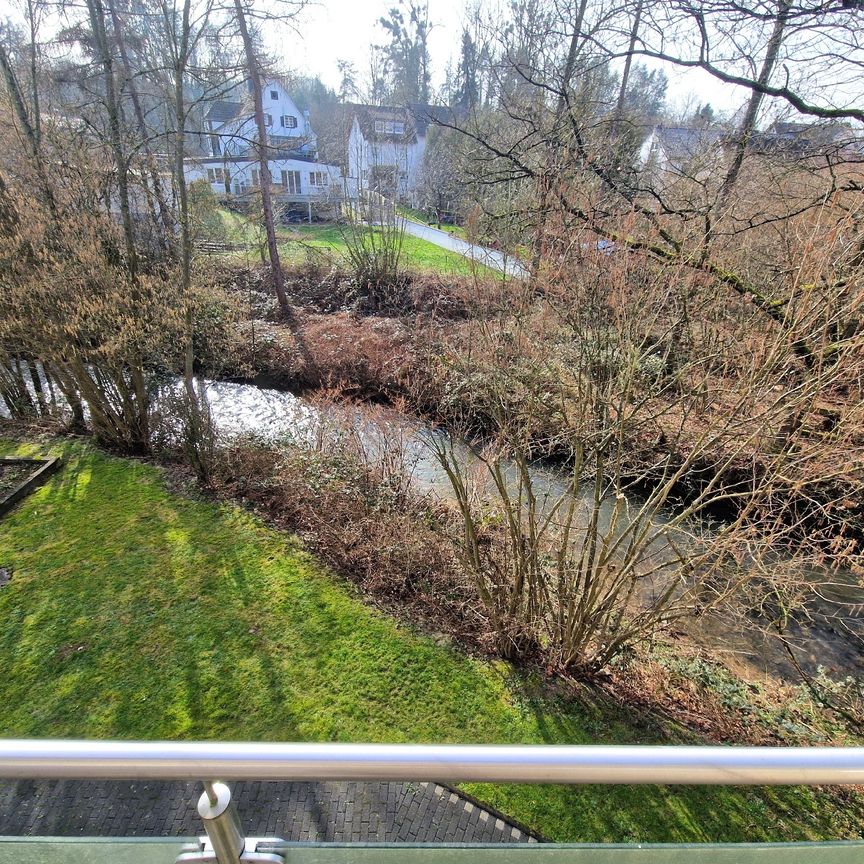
{"points": [[31, 758]]}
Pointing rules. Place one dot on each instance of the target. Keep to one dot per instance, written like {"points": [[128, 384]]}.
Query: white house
{"points": [[386, 147], [230, 162], [682, 151]]}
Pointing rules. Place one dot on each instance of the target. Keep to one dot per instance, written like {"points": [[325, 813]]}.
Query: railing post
{"points": [[221, 823]]}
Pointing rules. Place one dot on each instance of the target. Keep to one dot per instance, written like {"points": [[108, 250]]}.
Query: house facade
{"points": [[295, 179], [682, 151], [695, 152], [386, 146], [230, 163]]}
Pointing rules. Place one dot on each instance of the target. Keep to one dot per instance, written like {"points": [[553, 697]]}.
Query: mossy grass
{"points": [[418, 256], [137, 613], [424, 218]]}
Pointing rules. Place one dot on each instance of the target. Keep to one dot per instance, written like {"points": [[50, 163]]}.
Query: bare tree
{"points": [[262, 145]]}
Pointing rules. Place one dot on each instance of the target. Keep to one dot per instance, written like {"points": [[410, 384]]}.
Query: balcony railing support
{"points": [[221, 822]]}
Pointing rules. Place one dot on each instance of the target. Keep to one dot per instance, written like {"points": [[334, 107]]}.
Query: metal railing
{"points": [[221, 761]]}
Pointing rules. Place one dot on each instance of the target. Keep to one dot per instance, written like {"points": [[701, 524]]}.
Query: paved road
{"points": [[394, 812], [490, 257]]}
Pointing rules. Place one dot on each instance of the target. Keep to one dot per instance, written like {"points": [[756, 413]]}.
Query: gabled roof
{"points": [[222, 111], [685, 142], [368, 115], [425, 114], [415, 115], [803, 138]]}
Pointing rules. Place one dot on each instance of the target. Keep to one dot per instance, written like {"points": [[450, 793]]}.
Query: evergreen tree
{"points": [[407, 54], [348, 89], [646, 95], [704, 115], [467, 92]]}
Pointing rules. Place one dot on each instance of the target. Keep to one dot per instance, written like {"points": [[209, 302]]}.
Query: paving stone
{"points": [[424, 812]]}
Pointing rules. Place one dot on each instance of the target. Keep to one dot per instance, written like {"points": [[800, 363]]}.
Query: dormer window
{"points": [[289, 121], [389, 127], [274, 95]]}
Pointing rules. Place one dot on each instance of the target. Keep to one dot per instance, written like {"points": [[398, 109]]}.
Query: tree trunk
{"points": [[34, 80], [31, 136], [164, 214], [263, 163], [748, 124], [196, 414], [625, 75], [100, 37]]}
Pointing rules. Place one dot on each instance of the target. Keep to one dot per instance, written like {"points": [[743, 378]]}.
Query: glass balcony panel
{"points": [[85, 850]]}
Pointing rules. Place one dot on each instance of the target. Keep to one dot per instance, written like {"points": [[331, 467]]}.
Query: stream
{"points": [[244, 408]]}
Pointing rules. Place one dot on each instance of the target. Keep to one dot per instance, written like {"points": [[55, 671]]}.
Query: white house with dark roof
{"points": [[230, 161], [697, 152], [386, 145], [682, 151]]}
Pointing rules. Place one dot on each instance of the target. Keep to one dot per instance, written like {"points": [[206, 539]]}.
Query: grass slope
{"points": [[297, 242], [417, 255], [136, 613]]}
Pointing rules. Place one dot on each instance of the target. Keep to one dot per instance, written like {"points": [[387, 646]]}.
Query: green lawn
{"points": [[237, 228], [417, 255], [136, 613], [299, 241], [420, 216]]}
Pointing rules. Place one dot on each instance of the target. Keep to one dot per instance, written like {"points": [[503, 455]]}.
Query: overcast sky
{"points": [[334, 30]]}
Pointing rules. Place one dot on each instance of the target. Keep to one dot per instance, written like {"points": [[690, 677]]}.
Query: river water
{"points": [[276, 414], [244, 408]]}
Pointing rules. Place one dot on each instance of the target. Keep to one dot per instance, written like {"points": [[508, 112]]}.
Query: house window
{"points": [[318, 178], [289, 121], [216, 175], [215, 147], [291, 181], [390, 127], [256, 177], [274, 94], [268, 119]]}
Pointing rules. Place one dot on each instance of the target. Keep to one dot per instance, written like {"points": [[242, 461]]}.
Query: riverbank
{"points": [[121, 590], [454, 351]]}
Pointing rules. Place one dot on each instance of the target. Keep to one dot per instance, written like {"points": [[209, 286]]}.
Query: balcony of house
{"points": [[224, 830], [293, 180]]}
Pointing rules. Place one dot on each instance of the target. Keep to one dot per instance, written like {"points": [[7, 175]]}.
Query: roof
{"points": [[368, 115], [685, 142], [426, 114], [415, 115], [221, 111]]}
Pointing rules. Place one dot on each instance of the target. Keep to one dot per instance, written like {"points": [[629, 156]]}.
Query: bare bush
{"points": [[346, 488], [374, 235], [671, 407]]}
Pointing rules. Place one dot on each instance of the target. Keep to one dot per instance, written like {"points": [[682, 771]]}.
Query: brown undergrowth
{"points": [[359, 515], [354, 509], [442, 346]]}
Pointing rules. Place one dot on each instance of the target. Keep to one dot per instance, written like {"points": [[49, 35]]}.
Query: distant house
{"points": [[807, 139], [682, 151], [386, 146], [696, 152], [230, 161]]}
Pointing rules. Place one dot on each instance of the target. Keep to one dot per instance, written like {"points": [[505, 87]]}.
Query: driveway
{"points": [[491, 258]]}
